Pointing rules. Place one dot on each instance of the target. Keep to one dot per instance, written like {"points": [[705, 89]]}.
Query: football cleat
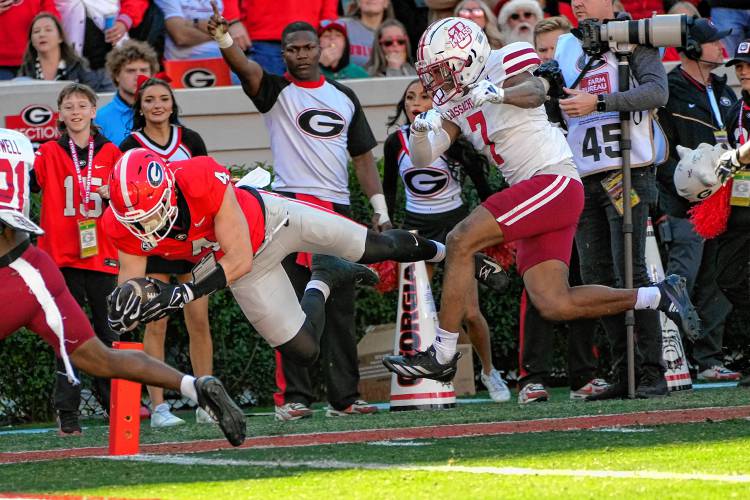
{"points": [[675, 303], [491, 274], [335, 272], [213, 398], [423, 364]]}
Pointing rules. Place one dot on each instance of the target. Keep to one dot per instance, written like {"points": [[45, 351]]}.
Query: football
{"points": [[142, 288]]}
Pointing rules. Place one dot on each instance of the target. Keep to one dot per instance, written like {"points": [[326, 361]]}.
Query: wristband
{"points": [[380, 207], [225, 41]]}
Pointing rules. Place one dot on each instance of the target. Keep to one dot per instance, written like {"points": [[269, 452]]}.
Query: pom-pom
{"points": [[710, 217]]}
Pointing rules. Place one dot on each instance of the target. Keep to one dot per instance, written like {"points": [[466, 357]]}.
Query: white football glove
{"points": [[486, 91], [428, 121], [728, 164]]}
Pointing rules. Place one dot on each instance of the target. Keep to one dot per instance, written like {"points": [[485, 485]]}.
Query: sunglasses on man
{"points": [[526, 15], [469, 13], [388, 42]]}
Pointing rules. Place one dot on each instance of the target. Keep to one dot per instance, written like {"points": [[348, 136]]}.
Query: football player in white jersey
{"points": [[493, 98]]}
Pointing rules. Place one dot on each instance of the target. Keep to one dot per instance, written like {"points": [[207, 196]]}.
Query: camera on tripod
{"points": [[597, 37]]}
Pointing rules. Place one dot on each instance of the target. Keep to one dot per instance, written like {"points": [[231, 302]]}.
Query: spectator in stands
{"points": [[546, 33], [125, 64], [551, 8], [440, 9], [698, 107], [334, 52], [69, 171], [93, 27], [517, 20], [49, 57], [390, 51], [156, 127], [15, 19], [365, 20], [481, 14], [734, 15], [186, 24], [265, 20], [436, 210], [413, 15], [593, 122]]}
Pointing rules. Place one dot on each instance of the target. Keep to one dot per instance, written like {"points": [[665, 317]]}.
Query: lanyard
{"points": [[741, 130], [84, 187], [714, 106]]}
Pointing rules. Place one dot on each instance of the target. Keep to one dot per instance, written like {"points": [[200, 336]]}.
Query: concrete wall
{"points": [[229, 123]]}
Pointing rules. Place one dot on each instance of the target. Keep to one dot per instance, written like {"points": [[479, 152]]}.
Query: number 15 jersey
{"points": [[521, 142]]}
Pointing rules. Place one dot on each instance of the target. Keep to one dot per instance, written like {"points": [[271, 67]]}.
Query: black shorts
{"points": [[160, 265], [435, 226]]}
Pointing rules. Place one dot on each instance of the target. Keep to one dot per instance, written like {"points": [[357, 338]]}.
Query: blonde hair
{"points": [[552, 24], [490, 27], [687, 6]]}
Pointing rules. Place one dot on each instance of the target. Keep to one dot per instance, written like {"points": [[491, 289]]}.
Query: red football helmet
{"points": [[142, 195]]}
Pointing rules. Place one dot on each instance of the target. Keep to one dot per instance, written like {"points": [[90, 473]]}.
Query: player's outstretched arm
{"points": [[430, 137], [249, 72], [233, 236]]}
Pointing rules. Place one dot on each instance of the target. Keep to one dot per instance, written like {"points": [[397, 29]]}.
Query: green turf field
{"points": [[702, 460]]}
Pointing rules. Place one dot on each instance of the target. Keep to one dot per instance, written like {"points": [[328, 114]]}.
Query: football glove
{"points": [[428, 121], [486, 91], [171, 298], [123, 308]]}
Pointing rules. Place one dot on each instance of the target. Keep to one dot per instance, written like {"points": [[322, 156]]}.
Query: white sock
{"points": [[187, 388], [319, 285], [648, 298], [445, 345], [440, 255]]}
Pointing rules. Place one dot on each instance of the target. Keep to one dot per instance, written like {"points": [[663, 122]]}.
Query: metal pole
{"points": [[627, 215]]}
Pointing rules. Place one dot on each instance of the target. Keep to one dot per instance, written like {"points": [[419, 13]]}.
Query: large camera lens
{"points": [[668, 30]]}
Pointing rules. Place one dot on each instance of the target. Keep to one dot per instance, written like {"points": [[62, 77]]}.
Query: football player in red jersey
{"points": [[68, 172], [34, 295], [189, 210]]}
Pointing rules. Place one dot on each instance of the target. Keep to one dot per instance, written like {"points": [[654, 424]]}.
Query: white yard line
{"points": [[498, 471]]}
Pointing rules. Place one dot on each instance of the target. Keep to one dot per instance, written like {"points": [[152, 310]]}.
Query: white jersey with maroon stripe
{"points": [[429, 190], [521, 142], [16, 159]]}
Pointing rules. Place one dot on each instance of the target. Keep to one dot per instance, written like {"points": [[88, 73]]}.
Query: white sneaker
{"points": [[718, 373], [162, 417], [204, 417], [497, 387], [292, 411], [592, 388], [359, 407], [531, 393]]}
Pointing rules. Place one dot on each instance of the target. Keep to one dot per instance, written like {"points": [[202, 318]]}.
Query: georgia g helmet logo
{"points": [[321, 123], [425, 182], [154, 174], [459, 35]]}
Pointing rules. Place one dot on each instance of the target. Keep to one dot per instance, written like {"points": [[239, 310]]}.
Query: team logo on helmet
{"points": [[154, 174], [459, 35]]}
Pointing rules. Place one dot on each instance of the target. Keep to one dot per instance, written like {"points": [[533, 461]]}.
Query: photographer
{"points": [[591, 114], [698, 107]]}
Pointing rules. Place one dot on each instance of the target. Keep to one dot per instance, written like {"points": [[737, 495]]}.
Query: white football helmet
{"points": [[695, 176], [451, 56]]}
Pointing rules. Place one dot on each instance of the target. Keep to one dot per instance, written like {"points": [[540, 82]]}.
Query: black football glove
{"points": [[170, 298], [123, 309], [551, 72]]}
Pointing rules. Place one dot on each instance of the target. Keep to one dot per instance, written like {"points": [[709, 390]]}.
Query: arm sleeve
{"points": [[519, 57], [268, 91], [131, 12], [170, 8], [194, 142], [360, 138], [391, 149], [652, 90]]}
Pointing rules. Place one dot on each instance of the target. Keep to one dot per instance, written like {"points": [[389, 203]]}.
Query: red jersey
{"points": [[62, 203], [16, 22], [201, 184]]}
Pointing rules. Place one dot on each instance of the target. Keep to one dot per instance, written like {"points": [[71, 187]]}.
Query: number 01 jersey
{"points": [[62, 202], [521, 142], [200, 187]]}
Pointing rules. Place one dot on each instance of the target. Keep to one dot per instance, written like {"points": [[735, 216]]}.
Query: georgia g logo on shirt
{"points": [[321, 123], [425, 182]]}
